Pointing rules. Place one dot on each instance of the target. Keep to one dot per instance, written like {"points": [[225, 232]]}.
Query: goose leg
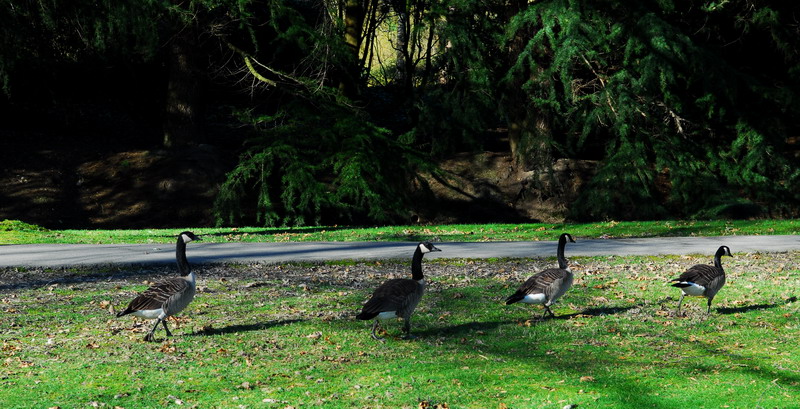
{"points": [[149, 336], [407, 328], [544, 313], [547, 310], [169, 334], [680, 302], [374, 336], [709, 305]]}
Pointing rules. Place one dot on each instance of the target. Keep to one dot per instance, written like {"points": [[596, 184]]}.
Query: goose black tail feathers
{"points": [[514, 298], [366, 315]]}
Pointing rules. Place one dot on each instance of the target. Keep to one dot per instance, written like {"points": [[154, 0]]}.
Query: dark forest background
{"points": [[293, 112]]}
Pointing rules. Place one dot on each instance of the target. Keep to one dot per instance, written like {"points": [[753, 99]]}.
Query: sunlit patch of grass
{"points": [[14, 232], [279, 336]]}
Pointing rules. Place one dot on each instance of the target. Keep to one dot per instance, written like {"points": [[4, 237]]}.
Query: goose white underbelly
{"points": [[695, 290], [149, 314], [386, 315], [539, 298]]}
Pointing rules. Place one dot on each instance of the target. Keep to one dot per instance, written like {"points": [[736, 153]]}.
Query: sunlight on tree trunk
{"points": [[403, 64], [354, 14]]}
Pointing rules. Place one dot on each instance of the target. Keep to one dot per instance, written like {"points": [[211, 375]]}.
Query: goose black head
{"points": [[188, 236], [724, 251], [565, 237], [427, 247]]}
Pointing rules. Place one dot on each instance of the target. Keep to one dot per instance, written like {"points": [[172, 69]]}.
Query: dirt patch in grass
{"points": [[282, 276], [63, 185], [118, 190], [489, 187], [592, 276], [147, 188]]}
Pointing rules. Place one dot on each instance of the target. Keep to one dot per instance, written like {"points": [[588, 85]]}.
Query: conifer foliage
{"points": [[688, 109], [310, 162], [692, 102]]}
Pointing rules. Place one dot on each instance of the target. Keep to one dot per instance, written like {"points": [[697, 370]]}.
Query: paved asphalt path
{"points": [[60, 255]]}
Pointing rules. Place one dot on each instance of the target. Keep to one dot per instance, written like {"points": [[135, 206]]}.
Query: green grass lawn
{"points": [[280, 336], [15, 232]]}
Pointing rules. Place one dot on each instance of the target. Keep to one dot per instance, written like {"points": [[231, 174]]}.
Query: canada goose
{"points": [[703, 280], [547, 286], [167, 297], [398, 297]]}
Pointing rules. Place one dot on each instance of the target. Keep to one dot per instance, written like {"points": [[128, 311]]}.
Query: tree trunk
{"points": [[183, 107], [354, 13], [529, 128], [529, 136], [402, 74], [517, 125], [427, 74]]}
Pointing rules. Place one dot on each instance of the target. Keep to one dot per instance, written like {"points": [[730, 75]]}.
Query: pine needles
{"points": [[316, 161]]}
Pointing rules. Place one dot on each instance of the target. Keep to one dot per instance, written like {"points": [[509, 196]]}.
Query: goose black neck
{"points": [[718, 257], [180, 256], [416, 265], [562, 242], [718, 261]]}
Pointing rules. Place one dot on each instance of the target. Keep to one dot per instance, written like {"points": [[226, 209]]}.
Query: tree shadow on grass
{"points": [[460, 329], [540, 315], [771, 373], [233, 329], [755, 307], [598, 312], [747, 308]]}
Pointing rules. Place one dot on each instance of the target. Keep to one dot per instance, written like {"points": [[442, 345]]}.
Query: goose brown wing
{"points": [[158, 294], [701, 274], [541, 281], [393, 295], [715, 285]]}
